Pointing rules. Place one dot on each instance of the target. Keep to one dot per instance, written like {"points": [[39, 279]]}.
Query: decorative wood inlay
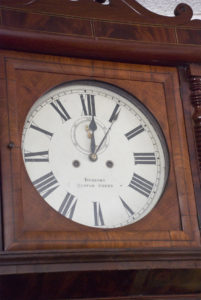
{"points": [[44, 23], [195, 86], [116, 31], [189, 36], [134, 32]]}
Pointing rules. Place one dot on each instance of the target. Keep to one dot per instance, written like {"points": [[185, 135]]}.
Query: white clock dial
{"points": [[95, 154]]}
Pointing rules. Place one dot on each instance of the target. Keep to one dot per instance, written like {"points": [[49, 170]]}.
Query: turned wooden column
{"points": [[195, 86]]}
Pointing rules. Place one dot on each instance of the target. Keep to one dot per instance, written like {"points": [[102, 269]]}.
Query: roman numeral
{"points": [[129, 211], [46, 184], [131, 134], [145, 158], [141, 185], [41, 130], [98, 216], [59, 108], [113, 115], [42, 156], [89, 109], [67, 207]]}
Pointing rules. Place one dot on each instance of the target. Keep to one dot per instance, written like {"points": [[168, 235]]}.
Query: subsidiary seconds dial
{"points": [[95, 154]]}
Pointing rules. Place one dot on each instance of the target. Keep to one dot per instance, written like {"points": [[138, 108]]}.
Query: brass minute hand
{"points": [[106, 134]]}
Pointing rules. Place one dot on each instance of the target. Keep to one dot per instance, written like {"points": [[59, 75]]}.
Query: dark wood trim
{"points": [[122, 31], [90, 260], [142, 297], [1, 219], [100, 48], [108, 285], [195, 86], [186, 73], [2, 95]]}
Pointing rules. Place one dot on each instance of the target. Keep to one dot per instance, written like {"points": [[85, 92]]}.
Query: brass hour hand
{"points": [[92, 128], [92, 124]]}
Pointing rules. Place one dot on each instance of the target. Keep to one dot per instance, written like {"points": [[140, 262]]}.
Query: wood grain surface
{"points": [[124, 285], [121, 31], [53, 258]]}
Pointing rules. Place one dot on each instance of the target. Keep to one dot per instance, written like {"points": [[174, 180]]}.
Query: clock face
{"points": [[95, 154]]}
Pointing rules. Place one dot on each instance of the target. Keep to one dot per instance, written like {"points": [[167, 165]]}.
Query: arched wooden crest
{"points": [[112, 10]]}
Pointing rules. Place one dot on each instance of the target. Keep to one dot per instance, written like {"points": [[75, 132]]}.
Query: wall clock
{"points": [[95, 154], [43, 133]]}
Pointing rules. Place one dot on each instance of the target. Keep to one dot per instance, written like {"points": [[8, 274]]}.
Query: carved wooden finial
{"points": [[183, 8]]}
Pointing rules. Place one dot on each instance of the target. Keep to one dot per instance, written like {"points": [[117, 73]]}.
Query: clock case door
{"points": [[29, 222]]}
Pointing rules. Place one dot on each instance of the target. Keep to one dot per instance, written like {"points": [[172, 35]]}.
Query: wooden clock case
{"points": [[44, 245], [171, 221]]}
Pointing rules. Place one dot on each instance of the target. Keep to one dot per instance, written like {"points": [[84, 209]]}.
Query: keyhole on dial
{"points": [[109, 164], [76, 163]]}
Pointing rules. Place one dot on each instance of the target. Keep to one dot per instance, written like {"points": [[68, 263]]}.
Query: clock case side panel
{"points": [[8, 89], [190, 76], [2, 120], [25, 70]]}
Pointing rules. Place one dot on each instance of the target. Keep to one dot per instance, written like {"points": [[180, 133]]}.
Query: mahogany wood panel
{"points": [[122, 285], [173, 221], [189, 36], [55, 261], [122, 31], [155, 297], [39, 22], [104, 49], [1, 222], [134, 32]]}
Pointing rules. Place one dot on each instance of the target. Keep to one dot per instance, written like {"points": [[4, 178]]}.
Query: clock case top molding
{"points": [[121, 31]]}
